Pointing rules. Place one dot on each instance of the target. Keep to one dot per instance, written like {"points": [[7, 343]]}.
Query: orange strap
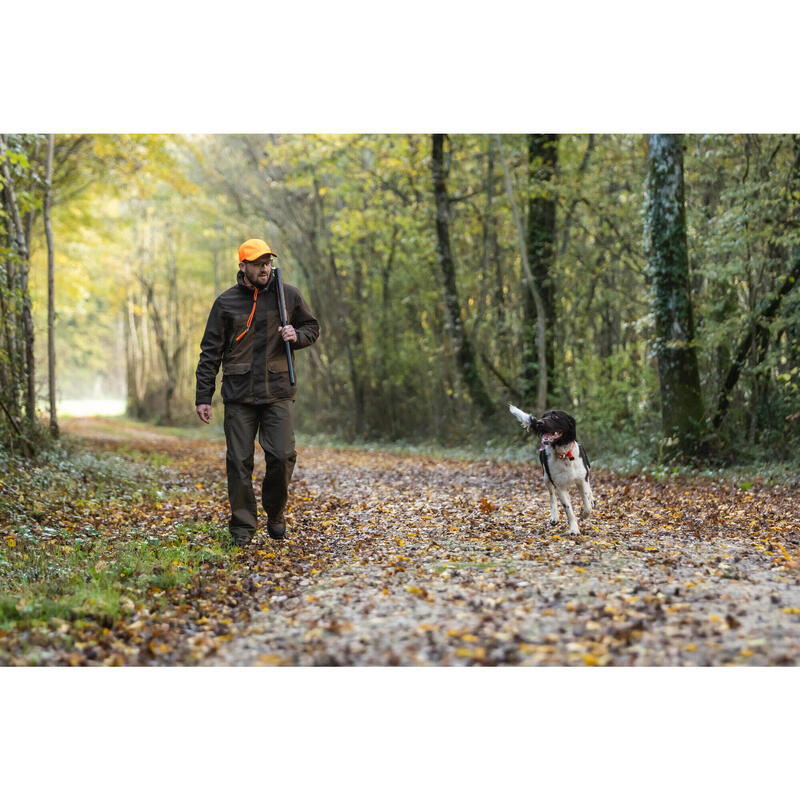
{"points": [[250, 318]]}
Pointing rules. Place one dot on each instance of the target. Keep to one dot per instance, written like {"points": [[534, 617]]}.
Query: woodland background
{"points": [[445, 269]]}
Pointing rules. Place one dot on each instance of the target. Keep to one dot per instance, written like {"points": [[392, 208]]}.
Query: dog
{"points": [[564, 461]]}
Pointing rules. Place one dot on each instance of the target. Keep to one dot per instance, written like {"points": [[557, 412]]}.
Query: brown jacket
{"points": [[254, 368]]}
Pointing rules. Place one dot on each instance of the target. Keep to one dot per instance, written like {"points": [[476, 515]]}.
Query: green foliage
{"points": [[49, 571], [352, 219]]}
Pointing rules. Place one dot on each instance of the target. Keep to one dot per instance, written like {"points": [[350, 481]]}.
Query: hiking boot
{"points": [[241, 540], [276, 529]]}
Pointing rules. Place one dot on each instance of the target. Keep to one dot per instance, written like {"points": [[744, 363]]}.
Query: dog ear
{"points": [[524, 419]]}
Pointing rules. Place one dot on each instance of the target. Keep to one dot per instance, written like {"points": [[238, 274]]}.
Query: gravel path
{"points": [[408, 560]]}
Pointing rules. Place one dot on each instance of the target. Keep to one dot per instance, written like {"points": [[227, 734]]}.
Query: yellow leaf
{"points": [[264, 658], [464, 652], [468, 637], [791, 610], [11, 541], [590, 660], [691, 647], [746, 653]]}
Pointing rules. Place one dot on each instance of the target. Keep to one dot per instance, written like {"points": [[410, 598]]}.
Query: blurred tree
{"points": [[540, 245], [462, 345], [51, 307], [668, 265]]}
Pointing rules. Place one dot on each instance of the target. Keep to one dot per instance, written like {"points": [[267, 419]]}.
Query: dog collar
{"points": [[568, 454]]}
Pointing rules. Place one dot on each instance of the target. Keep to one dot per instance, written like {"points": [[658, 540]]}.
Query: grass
{"points": [[54, 565], [103, 579]]}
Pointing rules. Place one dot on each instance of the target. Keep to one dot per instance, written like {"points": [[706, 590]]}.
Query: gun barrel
{"points": [[284, 321]]}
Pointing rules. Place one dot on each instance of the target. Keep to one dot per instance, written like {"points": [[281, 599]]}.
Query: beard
{"points": [[257, 279]]}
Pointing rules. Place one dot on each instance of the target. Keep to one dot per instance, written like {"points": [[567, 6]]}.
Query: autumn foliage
{"points": [[115, 552]]}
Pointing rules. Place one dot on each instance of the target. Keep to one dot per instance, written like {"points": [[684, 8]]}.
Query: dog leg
{"points": [[563, 496], [588, 499], [553, 504]]}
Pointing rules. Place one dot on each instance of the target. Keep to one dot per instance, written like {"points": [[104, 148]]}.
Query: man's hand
{"points": [[288, 333], [204, 412]]}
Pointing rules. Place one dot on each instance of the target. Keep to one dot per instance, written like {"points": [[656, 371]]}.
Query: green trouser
{"points": [[273, 422]]}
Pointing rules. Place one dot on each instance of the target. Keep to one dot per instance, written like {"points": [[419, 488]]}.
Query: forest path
{"points": [[412, 560], [116, 555]]}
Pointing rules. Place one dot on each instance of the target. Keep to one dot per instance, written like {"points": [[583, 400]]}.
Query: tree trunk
{"points": [[541, 382], [388, 339], [24, 268], [10, 373], [465, 355], [674, 345], [769, 308], [541, 236], [761, 319], [51, 307], [217, 284], [171, 362]]}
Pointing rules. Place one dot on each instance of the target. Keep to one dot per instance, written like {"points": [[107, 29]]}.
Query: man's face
{"points": [[257, 272]]}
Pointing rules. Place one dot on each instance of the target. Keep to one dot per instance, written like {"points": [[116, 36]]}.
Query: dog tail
{"points": [[525, 419]]}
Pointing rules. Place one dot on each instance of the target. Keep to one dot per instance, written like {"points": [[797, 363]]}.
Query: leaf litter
{"points": [[412, 560]]}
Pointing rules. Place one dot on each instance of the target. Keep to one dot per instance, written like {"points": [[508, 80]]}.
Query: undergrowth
{"points": [[56, 565]]}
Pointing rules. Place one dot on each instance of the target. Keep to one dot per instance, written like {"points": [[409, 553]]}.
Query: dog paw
{"points": [[553, 521]]}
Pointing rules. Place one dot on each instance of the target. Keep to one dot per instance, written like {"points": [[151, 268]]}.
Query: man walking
{"points": [[244, 333]]}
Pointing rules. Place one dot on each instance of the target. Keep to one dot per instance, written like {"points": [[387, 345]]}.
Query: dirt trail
{"points": [[394, 560], [407, 560]]}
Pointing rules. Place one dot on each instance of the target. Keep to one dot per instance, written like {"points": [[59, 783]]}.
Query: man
{"points": [[244, 334]]}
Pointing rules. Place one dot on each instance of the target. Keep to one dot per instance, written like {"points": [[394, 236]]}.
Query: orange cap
{"points": [[253, 249]]}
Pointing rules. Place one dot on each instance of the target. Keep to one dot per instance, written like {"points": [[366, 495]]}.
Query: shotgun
{"points": [[282, 312]]}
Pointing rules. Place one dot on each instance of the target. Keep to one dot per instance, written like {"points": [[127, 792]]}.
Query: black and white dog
{"points": [[563, 460]]}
